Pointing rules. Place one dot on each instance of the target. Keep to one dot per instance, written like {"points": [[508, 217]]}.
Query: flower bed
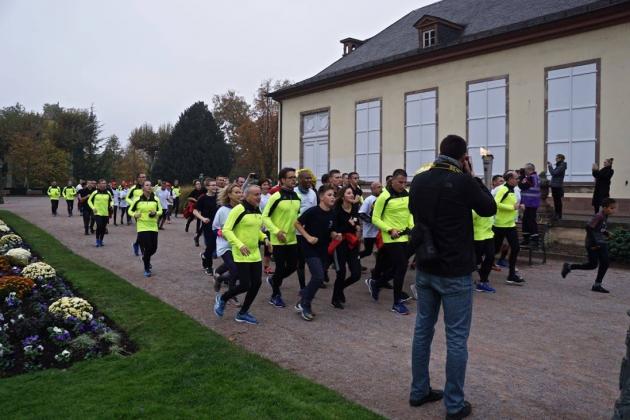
{"points": [[42, 323]]}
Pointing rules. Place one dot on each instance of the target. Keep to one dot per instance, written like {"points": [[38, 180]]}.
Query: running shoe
{"points": [[98, 244], [102, 244], [496, 267], [515, 279], [373, 289], [204, 263], [566, 269], [246, 318], [219, 305], [432, 396], [136, 249], [502, 263], [196, 239], [306, 314], [485, 287], [400, 308], [147, 273], [464, 412], [414, 291], [277, 301], [209, 272], [336, 304], [598, 288]]}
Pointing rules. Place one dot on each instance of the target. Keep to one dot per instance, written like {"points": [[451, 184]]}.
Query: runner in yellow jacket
{"points": [[54, 192], [146, 210]]}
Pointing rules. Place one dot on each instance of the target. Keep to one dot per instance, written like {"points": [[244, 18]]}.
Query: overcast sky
{"points": [[138, 61]]}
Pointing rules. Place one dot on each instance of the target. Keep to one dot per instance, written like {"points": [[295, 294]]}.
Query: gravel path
{"points": [[550, 349]]}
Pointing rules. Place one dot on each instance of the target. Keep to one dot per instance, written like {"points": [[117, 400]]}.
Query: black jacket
{"points": [[443, 199], [602, 182]]}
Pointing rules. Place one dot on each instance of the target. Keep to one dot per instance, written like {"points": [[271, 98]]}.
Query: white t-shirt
{"points": [[122, 194], [263, 201], [220, 218], [369, 230], [163, 195]]}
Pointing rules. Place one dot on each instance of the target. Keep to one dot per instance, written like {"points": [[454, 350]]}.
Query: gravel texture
{"points": [[550, 349]]}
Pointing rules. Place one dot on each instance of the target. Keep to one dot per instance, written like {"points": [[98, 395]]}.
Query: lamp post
{"points": [[487, 158]]}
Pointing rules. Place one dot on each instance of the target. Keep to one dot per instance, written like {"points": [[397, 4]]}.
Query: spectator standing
{"points": [[557, 183], [602, 183], [529, 184], [442, 199]]}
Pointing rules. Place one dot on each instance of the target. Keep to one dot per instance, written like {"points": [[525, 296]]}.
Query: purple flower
{"points": [[30, 341]]}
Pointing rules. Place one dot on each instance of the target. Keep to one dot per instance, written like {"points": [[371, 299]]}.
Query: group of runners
{"points": [[248, 222]]}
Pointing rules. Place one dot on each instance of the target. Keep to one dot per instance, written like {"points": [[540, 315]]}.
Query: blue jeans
{"points": [[456, 295]]}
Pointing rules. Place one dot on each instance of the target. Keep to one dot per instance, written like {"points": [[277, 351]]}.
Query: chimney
{"points": [[350, 44]]}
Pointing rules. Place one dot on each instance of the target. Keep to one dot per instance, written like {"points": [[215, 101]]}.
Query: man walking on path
{"points": [[441, 200], [391, 215], [279, 217], [54, 192], [308, 199], [557, 184], [69, 193], [86, 212]]}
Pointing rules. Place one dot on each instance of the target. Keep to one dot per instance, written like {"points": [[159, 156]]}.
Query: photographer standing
{"points": [[441, 200], [557, 183], [602, 183], [529, 183]]}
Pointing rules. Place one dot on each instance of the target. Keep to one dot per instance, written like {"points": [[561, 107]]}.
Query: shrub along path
{"points": [[550, 349]]}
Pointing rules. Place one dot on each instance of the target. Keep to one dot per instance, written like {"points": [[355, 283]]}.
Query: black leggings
{"points": [[101, 225], [87, 218], [123, 212], [596, 257], [70, 204], [557, 193], [368, 243], [392, 259], [54, 204], [115, 214], [345, 256], [148, 242], [176, 206], [484, 252], [286, 263], [301, 264], [249, 275], [530, 226], [511, 235]]}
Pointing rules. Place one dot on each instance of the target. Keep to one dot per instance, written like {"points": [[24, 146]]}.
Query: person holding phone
{"points": [[146, 210], [602, 183]]}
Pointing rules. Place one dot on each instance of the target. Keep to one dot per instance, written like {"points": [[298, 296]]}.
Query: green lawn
{"points": [[181, 369]]}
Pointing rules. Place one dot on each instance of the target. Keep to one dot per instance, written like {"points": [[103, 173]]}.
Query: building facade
{"points": [[555, 81]]}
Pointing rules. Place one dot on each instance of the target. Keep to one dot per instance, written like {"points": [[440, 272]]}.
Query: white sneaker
{"points": [[414, 292]]}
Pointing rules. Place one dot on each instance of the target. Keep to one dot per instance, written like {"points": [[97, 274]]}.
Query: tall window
{"points": [[487, 122], [572, 118], [368, 140], [315, 130], [428, 38], [420, 129]]}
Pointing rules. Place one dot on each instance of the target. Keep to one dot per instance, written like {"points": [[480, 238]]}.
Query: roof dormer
{"points": [[350, 44], [434, 30]]}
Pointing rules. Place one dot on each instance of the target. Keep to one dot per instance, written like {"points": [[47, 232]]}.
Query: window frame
{"points": [[429, 34], [507, 114], [307, 113], [380, 134], [437, 123], [597, 62]]}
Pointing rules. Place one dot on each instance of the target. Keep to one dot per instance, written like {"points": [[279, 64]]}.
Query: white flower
{"points": [[20, 316], [40, 347], [65, 353], [28, 348]]}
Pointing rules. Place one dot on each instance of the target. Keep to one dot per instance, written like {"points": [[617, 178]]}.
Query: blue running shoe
{"points": [[400, 308], [373, 289], [136, 249], [485, 287], [147, 273], [502, 263], [247, 318], [219, 305], [277, 301], [97, 244]]}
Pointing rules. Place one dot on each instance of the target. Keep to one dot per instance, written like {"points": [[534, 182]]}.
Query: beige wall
{"points": [[525, 67]]}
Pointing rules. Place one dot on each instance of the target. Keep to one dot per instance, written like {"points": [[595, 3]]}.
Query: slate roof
{"points": [[480, 18]]}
